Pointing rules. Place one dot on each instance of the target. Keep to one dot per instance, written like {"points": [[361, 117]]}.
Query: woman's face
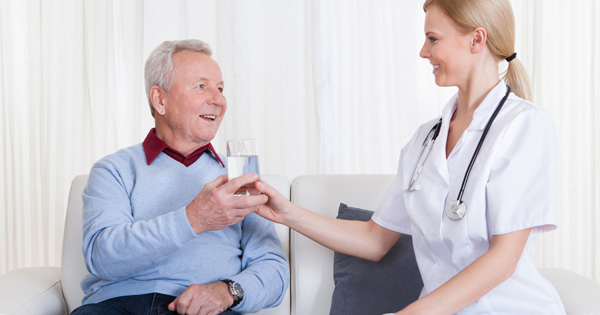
{"points": [[446, 47]]}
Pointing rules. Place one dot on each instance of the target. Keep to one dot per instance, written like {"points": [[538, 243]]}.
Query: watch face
{"points": [[237, 290]]}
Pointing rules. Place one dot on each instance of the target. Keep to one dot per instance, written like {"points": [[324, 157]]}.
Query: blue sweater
{"points": [[137, 239]]}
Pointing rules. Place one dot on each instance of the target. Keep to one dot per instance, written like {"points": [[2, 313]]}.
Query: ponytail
{"points": [[516, 77]]}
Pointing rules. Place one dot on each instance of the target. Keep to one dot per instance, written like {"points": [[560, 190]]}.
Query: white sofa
{"points": [[53, 290]]}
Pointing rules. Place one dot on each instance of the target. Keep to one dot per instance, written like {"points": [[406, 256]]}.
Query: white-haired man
{"points": [[163, 231]]}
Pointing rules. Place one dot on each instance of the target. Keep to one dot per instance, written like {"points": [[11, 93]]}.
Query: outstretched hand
{"points": [[277, 205], [216, 207]]}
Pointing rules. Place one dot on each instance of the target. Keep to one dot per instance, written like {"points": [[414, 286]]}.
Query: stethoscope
{"points": [[457, 209]]}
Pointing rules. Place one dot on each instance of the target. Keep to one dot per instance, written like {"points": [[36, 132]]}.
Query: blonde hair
{"points": [[496, 17]]}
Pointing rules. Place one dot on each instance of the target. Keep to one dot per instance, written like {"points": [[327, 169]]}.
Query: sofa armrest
{"points": [[34, 290], [580, 295]]}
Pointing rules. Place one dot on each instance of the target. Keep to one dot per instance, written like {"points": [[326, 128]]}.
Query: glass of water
{"points": [[242, 158]]}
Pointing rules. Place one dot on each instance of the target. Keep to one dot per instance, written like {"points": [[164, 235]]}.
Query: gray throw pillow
{"points": [[364, 287]]}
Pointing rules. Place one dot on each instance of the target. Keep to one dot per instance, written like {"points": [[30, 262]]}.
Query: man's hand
{"points": [[203, 299], [215, 207]]}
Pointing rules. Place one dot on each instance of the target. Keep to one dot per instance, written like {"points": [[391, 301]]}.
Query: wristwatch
{"points": [[236, 290]]}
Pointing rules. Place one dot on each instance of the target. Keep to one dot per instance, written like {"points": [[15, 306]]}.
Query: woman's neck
{"points": [[472, 94], [480, 80]]}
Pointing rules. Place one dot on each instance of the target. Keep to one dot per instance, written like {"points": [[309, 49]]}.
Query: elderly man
{"points": [[163, 231]]}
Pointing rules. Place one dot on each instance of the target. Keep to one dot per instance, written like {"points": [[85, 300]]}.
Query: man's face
{"points": [[195, 106]]}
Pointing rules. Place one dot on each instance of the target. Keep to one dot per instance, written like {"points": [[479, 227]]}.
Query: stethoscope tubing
{"points": [[478, 148]]}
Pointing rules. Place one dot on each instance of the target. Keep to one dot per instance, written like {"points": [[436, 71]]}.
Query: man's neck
{"points": [[182, 145]]}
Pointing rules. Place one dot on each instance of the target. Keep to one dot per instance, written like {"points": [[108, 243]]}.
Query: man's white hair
{"points": [[159, 66]]}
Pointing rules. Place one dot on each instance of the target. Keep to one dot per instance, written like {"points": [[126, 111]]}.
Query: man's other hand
{"points": [[203, 299]]}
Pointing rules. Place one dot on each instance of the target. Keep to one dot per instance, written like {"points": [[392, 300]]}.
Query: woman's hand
{"points": [[277, 207], [366, 240]]}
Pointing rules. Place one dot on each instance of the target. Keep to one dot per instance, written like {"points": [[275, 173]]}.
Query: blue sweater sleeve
{"points": [[265, 274], [114, 244]]}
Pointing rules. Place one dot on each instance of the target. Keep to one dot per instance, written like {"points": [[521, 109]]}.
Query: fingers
{"points": [[238, 182], [227, 188], [264, 188], [216, 206], [217, 182], [181, 303], [245, 183], [277, 207], [201, 300], [249, 201], [275, 198]]}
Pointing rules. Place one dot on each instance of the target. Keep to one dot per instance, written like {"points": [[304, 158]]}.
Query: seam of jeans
{"points": [[152, 304]]}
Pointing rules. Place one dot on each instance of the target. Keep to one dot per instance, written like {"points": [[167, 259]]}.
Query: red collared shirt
{"points": [[153, 146]]}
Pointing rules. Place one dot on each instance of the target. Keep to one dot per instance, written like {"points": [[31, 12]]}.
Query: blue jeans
{"points": [[146, 304]]}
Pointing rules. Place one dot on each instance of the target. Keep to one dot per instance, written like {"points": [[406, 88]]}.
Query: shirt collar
{"points": [[153, 146]]}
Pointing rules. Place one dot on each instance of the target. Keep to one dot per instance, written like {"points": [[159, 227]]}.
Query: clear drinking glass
{"points": [[242, 158]]}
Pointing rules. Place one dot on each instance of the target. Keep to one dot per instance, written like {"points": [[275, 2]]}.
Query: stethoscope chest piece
{"points": [[456, 210]]}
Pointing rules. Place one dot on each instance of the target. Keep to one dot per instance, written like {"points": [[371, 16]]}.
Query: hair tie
{"points": [[511, 57]]}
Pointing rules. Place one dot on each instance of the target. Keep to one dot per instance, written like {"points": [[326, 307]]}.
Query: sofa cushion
{"points": [[365, 287]]}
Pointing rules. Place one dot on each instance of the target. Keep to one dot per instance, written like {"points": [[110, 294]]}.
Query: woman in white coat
{"points": [[476, 258]]}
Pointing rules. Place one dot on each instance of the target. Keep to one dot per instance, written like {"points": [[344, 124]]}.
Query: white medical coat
{"points": [[512, 186]]}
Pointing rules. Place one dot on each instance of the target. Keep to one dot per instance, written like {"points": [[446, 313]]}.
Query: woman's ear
{"points": [[479, 39], [157, 96]]}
